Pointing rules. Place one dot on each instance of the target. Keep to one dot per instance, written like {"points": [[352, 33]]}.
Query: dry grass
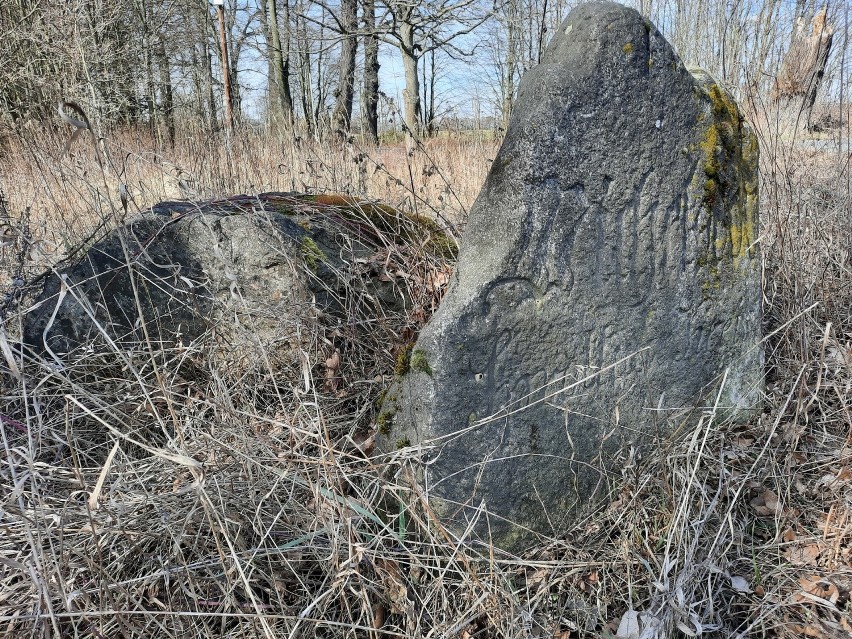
{"points": [[67, 193], [139, 505]]}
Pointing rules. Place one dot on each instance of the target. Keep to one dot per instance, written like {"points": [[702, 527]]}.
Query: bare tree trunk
{"points": [[321, 122], [371, 73], [411, 93], [148, 54], [430, 81], [208, 79], [804, 65], [279, 58], [342, 117], [166, 91], [198, 85], [305, 76], [542, 29], [511, 61], [150, 92]]}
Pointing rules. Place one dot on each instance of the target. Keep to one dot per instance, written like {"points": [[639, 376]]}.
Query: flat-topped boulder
{"points": [[608, 285], [248, 273]]}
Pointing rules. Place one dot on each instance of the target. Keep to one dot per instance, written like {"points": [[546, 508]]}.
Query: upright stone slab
{"points": [[608, 277]]}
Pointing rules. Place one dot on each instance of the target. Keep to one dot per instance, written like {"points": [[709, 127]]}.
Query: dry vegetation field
{"points": [[140, 504]]}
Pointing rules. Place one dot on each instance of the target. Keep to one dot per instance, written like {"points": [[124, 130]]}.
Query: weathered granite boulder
{"points": [[608, 277], [241, 270]]}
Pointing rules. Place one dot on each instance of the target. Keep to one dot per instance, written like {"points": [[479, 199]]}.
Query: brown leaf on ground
{"points": [[378, 616], [816, 586], [743, 441], [395, 588], [538, 578], [767, 504], [365, 442], [332, 366], [803, 555], [807, 631]]}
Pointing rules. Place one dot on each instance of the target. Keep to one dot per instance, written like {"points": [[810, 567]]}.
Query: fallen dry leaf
{"points": [[365, 442], [816, 586], [628, 627], [766, 504], [740, 584], [378, 616], [807, 631], [395, 588], [538, 578], [332, 366], [805, 555]]}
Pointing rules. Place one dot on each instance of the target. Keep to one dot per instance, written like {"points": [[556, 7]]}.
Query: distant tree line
{"points": [[158, 63]]}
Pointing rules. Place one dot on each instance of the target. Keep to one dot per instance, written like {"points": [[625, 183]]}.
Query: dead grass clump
{"points": [[192, 496]]}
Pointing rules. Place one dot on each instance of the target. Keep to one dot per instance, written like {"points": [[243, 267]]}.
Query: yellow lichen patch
{"points": [[332, 199], [744, 223], [628, 48], [725, 168], [724, 106], [710, 150], [729, 152], [742, 236]]}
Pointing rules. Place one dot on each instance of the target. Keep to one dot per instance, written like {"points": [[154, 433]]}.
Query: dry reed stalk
{"points": [[293, 530]]}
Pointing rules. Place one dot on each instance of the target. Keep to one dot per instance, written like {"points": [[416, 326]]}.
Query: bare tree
{"points": [[167, 104], [345, 92], [370, 99], [804, 64], [417, 28], [278, 52]]}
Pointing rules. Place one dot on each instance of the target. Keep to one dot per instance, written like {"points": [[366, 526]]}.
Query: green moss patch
{"points": [[403, 360], [384, 421], [419, 362], [311, 253]]}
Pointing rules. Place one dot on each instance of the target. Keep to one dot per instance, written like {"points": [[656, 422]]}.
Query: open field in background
{"points": [[112, 527], [66, 193]]}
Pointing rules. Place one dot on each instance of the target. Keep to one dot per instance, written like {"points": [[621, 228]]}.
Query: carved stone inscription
{"points": [[607, 279]]}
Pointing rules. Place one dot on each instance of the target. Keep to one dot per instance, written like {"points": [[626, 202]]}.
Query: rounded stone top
{"points": [[595, 29]]}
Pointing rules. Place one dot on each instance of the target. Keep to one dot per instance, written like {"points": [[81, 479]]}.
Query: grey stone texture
{"points": [[244, 270], [608, 277]]}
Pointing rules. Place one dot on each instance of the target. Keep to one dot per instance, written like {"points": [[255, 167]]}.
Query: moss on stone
{"points": [[727, 181], [373, 218], [311, 253], [419, 362], [403, 443], [728, 167], [403, 360], [724, 106], [391, 221], [380, 399], [385, 421]]}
